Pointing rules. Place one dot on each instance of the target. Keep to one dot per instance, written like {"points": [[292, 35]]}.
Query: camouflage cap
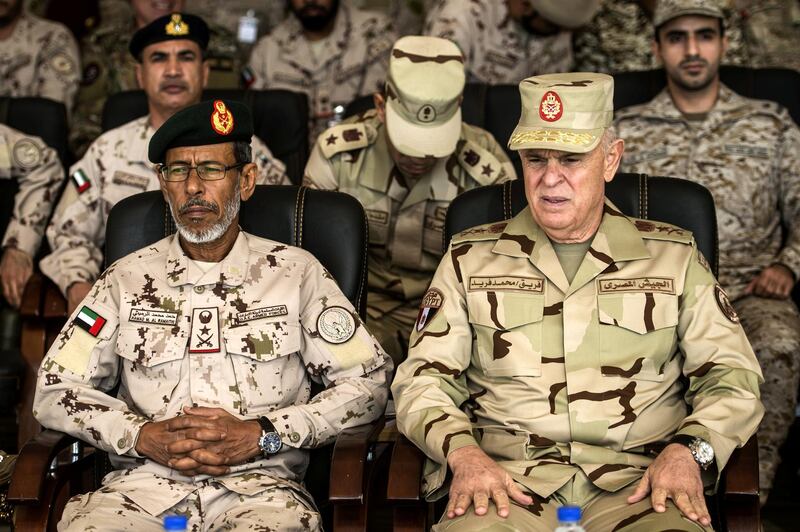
{"points": [[423, 96], [667, 10], [202, 124], [565, 112], [170, 28], [569, 14]]}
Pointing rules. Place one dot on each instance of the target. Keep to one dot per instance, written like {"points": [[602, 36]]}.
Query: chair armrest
{"points": [[741, 473], [31, 306], [54, 304], [405, 472], [33, 463], [348, 463]]}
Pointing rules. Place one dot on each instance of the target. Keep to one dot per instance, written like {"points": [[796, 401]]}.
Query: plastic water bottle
{"points": [[569, 518], [176, 522]]}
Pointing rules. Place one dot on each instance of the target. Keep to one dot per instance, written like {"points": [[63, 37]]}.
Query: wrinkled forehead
{"points": [[222, 153]]}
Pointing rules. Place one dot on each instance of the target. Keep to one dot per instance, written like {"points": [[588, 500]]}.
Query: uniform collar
{"points": [[231, 271], [662, 106], [616, 240]]}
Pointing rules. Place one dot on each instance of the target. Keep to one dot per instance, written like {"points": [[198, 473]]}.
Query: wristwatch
{"points": [[270, 441], [701, 450]]}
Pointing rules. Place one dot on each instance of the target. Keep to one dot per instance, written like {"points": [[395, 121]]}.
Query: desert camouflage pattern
{"points": [[109, 68], [746, 153], [352, 62], [40, 58], [497, 50], [551, 378], [116, 166], [39, 174], [269, 298], [228, 13], [771, 32], [405, 224]]}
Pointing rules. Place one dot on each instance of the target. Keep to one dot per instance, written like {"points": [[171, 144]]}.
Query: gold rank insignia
{"points": [[177, 26], [221, 118]]}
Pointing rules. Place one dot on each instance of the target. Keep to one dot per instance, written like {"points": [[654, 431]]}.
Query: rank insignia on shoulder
{"points": [[82, 182], [431, 303], [90, 321]]}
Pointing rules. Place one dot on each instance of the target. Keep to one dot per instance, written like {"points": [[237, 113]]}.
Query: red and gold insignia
{"points": [[551, 108], [221, 118]]}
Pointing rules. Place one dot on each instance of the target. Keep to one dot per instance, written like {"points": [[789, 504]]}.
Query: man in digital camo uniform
{"points": [[37, 57], [406, 161], [506, 41], [172, 72], [328, 50], [38, 171], [549, 359], [217, 335], [108, 67], [746, 153]]}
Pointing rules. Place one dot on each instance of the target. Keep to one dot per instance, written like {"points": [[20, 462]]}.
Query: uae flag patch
{"points": [[90, 321], [82, 182]]}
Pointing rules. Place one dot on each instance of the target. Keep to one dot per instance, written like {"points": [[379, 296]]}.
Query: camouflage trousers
{"points": [[210, 507], [390, 321], [602, 511], [773, 328]]}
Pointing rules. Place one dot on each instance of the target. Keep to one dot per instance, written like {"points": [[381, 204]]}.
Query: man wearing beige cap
{"points": [[506, 41], [406, 161], [546, 367], [747, 153]]}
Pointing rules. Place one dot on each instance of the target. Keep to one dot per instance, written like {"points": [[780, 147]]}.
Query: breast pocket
{"points": [[508, 330], [434, 227], [152, 367], [267, 365], [638, 334]]}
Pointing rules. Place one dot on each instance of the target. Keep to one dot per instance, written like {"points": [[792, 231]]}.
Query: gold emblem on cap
{"points": [[551, 107], [177, 26], [221, 118]]}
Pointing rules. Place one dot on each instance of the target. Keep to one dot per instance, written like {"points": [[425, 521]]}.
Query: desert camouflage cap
{"points": [[423, 96], [569, 14], [566, 112], [667, 10]]}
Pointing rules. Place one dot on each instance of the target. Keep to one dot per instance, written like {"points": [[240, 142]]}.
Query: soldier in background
{"points": [[172, 72], [328, 50], [37, 57], [547, 366], [108, 68], [38, 171], [406, 161], [746, 153], [505, 41], [771, 32]]}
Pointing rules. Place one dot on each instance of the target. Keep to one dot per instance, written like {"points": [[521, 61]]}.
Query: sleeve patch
{"points": [[432, 301], [27, 153], [336, 325], [725, 304], [80, 180], [77, 352]]}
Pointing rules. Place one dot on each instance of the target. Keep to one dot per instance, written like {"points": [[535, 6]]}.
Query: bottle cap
{"points": [[175, 522], [569, 513]]}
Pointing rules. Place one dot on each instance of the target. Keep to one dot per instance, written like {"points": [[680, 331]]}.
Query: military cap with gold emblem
{"points": [[169, 28], [667, 10], [564, 112], [423, 96], [202, 124]]}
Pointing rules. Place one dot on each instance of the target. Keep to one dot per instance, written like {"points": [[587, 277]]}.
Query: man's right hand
{"points": [[16, 268], [75, 294], [476, 478], [169, 440]]}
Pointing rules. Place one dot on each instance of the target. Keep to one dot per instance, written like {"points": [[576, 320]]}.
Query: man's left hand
{"points": [[674, 474], [239, 444], [774, 281], [16, 268]]}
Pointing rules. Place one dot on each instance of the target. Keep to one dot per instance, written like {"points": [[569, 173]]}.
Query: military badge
{"points": [[725, 304], [260, 313], [82, 182], [551, 108], [426, 114], [26, 153], [221, 118], [336, 325], [176, 26], [90, 321], [431, 303], [62, 63], [205, 331]]}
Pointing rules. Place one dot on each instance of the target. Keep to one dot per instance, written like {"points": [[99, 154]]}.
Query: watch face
{"points": [[703, 451], [272, 442]]}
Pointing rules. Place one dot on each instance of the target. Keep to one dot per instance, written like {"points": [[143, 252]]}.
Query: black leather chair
{"points": [[42, 117], [333, 227], [280, 119], [736, 507]]}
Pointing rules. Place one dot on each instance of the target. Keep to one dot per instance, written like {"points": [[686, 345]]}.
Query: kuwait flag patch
{"points": [[90, 321], [82, 182]]}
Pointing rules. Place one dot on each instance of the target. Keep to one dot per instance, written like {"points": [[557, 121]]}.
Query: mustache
{"points": [[173, 83], [197, 202], [693, 59]]}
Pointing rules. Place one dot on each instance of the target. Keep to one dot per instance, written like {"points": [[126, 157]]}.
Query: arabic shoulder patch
{"points": [[90, 321], [432, 301]]}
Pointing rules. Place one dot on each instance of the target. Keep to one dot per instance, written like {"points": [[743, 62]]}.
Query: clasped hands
{"points": [[204, 441]]}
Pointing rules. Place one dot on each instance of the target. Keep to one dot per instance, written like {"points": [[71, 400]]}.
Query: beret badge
{"points": [[221, 118], [176, 26]]}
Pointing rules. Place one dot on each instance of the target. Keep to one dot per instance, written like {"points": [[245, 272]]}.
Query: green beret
{"points": [[170, 28], [209, 122]]}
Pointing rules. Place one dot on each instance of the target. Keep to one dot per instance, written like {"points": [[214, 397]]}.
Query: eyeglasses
{"points": [[210, 171]]}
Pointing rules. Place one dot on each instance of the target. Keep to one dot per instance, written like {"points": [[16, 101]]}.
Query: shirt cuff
{"points": [[291, 424], [22, 237]]}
